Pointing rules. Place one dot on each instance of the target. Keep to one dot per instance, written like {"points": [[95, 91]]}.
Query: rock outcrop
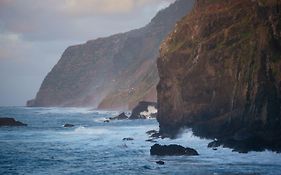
{"points": [[121, 116], [144, 110], [10, 122], [220, 73], [172, 150], [115, 72], [67, 125]]}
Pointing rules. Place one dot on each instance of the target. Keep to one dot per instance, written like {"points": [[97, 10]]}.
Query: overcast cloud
{"points": [[34, 34]]}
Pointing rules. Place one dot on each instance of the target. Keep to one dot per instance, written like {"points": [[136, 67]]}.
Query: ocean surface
{"points": [[95, 147]]}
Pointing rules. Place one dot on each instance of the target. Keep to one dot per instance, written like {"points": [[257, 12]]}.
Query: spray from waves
{"points": [[186, 138], [81, 130], [100, 112], [59, 110]]}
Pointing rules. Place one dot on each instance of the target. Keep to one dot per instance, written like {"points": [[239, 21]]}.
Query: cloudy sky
{"points": [[34, 34]]}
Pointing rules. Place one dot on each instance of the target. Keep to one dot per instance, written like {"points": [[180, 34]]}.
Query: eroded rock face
{"points": [[220, 71], [115, 72]]}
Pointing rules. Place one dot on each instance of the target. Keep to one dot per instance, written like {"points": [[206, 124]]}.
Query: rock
{"points": [[106, 121], [160, 162], [220, 74], [121, 116], [144, 110], [172, 150], [150, 132], [214, 144], [67, 125], [10, 122], [128, 139], [151, 140]]}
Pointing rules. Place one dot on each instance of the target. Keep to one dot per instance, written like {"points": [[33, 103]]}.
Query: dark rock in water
{"points": [[143, 110], [150, 132], [160, 162], [214, 144], [68, 125], [172, 150], [10, 122], [121, 116], [151, 140], [106, 121], [128, 139]]}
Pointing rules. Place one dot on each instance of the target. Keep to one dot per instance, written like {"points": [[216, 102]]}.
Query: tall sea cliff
{"points": [[220, 73], [115, 72]]}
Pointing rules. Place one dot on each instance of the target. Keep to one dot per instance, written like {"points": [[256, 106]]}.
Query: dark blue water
{"points": [[95, 147]]}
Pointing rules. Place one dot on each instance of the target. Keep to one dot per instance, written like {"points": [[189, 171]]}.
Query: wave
{"points": [[62, 110], [81, 130]]}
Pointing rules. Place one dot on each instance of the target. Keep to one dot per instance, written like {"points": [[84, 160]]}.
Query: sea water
{"points": [[96, 147]]}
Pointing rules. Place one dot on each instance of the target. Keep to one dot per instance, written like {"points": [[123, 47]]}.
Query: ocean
{"points": [[95, 147]]}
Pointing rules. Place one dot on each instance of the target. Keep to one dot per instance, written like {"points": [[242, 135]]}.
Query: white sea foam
{"points": [[150, 110], [57, 110], [91, 131]]}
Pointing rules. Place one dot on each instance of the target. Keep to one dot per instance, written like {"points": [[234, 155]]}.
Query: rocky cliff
{"points": [[113, 72], [220, 72]]}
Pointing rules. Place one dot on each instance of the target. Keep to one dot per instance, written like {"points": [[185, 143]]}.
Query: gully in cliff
{"points": [[220, 74]]}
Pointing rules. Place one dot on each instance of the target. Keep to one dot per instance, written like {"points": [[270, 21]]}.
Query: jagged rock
{"points": [[114, 72], [220, 73], [160, 162], [121, 116], [128, 139], [144, 110], [10, 122], [172, 150], [106, 121], [150, 132], [67, 125], [151, 140]]}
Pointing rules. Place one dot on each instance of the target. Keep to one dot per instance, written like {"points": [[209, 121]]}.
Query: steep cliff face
{"points": [[220, 71], [113, 72]]}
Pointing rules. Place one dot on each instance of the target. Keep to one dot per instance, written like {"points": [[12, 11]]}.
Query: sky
{"points": [[34, 34]]}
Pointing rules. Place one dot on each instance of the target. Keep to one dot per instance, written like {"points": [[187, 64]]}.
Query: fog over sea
{"points": [[96, 147]]}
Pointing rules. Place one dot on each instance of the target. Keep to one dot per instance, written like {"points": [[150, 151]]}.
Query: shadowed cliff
{"points": [[220, 73], [115, 72]]}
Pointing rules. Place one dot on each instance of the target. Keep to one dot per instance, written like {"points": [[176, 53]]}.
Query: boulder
{"points": [[172, 150], [67, 125], [150, 132], [128, 139], [10, 122], [160, 162], [144, 110], [106, 121], [151, 140]]}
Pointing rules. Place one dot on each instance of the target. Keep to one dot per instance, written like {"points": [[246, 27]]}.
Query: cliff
{"points": [[115, 72], [220, 73]]}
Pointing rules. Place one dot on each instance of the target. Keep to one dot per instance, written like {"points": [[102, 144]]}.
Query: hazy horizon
{"points": [[33, 36]]}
